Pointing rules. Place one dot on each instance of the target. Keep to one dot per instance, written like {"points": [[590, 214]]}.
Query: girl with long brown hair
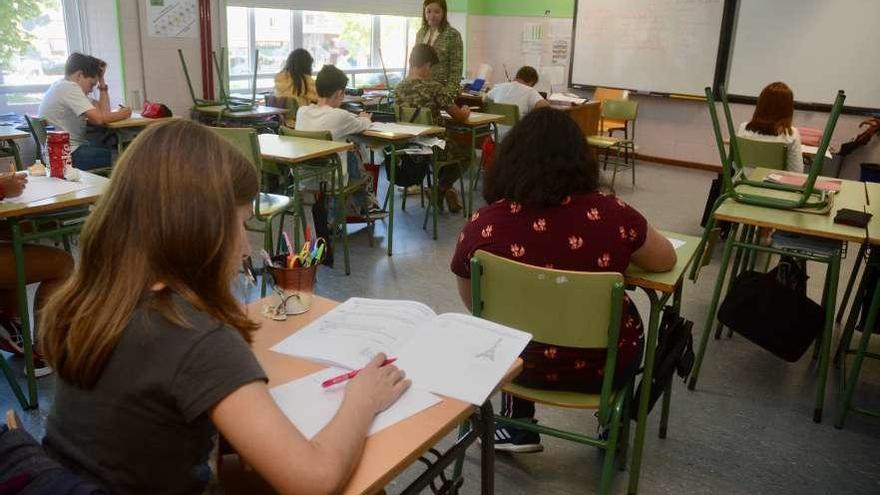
{"points": [[772, 122], [151, 349]]}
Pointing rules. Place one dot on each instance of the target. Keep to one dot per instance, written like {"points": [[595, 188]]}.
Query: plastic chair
{"points": [[583, 312], [425, 117], [510, 112], [626, 111], [609, 125], [37, 128], [766, 154], [341, 193], [267, 206]]}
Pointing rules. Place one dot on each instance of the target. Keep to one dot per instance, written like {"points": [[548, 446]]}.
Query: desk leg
{"points": [[393, 175], [827, 334], [487, 449], [852, 279], [21, 290], [645, 397], [469, 201], [713, 305], [667, 394]]}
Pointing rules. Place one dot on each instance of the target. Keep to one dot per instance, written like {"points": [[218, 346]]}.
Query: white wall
{"points": [[666, 128]]}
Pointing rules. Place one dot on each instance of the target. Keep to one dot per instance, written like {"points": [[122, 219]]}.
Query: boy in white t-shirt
{"points": [[66, 105], [327, 116], [521, 92]]}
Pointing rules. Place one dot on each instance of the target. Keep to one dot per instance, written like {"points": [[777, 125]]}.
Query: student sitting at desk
{"points": [[326, 115], [295, 79], [520, 92], [46, 265], [420, 91], [544, 209], [772, 122], [151, 348], [66, 105]]}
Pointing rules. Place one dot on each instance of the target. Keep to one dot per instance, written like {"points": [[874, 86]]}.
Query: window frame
{"points": [[77, 40], [296, 41]]}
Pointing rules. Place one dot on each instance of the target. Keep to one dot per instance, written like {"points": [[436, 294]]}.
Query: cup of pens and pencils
{"points": [[292, 277]]}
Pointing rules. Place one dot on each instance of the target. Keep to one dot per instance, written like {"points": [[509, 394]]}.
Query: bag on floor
{"points": [[322, 223], [773, 311], [675, 354]]}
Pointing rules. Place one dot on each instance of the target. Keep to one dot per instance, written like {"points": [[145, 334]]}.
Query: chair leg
{"points": [[854, 313], [343, 225], [853, 378], [611, 450], [852, 278]]}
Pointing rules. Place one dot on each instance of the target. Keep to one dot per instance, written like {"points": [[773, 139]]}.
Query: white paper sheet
{"points": [[676, 243], [566, 98], [461, 356], [311, 407], [398, 128], [42, 187], [356, 330]]}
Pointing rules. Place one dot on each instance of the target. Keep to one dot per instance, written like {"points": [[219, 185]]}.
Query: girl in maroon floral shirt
{"points": [[544, 210]]}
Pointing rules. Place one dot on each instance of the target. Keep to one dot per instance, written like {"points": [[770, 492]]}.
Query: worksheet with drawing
{"points": [[456, 355]]}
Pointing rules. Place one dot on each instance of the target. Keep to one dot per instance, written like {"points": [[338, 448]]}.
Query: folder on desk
{"points": [[796, 179]]}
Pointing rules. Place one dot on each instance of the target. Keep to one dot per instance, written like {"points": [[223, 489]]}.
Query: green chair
{"points": [[267, 206], [425, 117], [37, 128], [291, 104], [510, 112], [766, 154], [341, 193], [624, 148], [565, 308]]}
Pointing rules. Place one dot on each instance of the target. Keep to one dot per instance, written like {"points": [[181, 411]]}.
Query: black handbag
{"points": [[320, 218], [411, 169], [773, 311]]}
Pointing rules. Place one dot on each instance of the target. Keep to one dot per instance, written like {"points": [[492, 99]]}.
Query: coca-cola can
{"points": [[59, 153]]}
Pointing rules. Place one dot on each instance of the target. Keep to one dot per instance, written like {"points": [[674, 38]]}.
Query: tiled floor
{"points": [[746, 429]]}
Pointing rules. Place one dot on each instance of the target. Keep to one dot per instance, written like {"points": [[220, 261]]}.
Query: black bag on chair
{"points": [[772, 310], [411, 169]]}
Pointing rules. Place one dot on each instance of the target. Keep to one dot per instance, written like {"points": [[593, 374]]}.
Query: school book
{"points": [[796, 179], [452, 354]]}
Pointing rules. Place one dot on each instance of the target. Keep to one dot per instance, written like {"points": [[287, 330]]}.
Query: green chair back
{"points": [[558, 307], [37, 128], [625, 110], [291, 104], [321, 135], [510, 112], [766, 154], [405, 115], [245, 140]]}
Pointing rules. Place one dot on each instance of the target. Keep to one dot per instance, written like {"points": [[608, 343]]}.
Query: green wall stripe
{"points": [[521, 8]]}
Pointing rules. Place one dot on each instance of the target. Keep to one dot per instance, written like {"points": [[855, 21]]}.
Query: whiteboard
{"points": [[667, 46], [814, 46]]}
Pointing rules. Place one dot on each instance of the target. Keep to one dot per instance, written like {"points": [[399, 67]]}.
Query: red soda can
{"points": [[59, 152]]}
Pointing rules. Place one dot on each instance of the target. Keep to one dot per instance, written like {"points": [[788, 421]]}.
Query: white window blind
{"points": [[407, 8]]}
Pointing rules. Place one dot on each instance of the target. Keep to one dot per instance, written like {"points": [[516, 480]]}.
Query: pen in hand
{"points": [[336, 380]]}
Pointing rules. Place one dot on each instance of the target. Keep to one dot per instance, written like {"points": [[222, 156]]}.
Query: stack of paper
{"points": [[395, 128], [566, 99], [310, 407], [41, 187]]}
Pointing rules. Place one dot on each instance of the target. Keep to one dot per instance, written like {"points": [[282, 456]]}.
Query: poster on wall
{"points": [[172, 18]]}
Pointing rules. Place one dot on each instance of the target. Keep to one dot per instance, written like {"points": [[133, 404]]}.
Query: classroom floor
{"points": [[746, 429]]}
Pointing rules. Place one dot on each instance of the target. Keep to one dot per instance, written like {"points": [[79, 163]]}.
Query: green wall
{"points": [[519, 8]]}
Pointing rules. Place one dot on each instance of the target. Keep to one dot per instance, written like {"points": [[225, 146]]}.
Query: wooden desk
{"points": [[660, 288], [293, 150], [746, 218], [380, 139], [388, 452], [8, 137], [12, 214], [587, 116], [851, 195], [256, 112], [136, 120]]}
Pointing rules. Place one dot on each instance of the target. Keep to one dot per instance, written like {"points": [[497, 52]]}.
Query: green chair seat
{"points": [[558, 398]]}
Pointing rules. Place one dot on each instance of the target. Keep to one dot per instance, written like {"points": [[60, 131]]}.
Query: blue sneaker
{"points": [[510, 439]]}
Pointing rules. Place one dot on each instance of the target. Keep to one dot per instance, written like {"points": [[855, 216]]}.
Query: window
{"points": [[356, 43], [25, 75]]}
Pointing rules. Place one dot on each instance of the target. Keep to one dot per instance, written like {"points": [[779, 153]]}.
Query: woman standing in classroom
{"points": [[446, 41]]}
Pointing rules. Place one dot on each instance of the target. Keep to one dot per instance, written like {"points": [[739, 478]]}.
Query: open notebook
{"points": [[453, 354]]}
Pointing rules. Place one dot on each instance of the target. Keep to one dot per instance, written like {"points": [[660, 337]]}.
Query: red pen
{"points": [[336, 380]]}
